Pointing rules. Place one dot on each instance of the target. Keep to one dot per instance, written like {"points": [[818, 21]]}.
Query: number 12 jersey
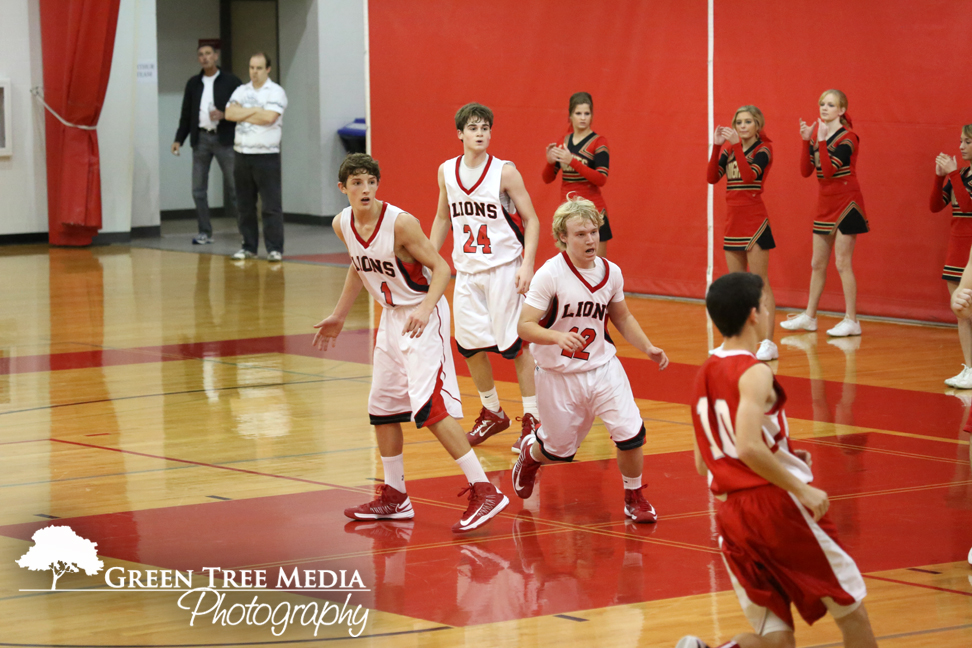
{"points": [[575, 300]]}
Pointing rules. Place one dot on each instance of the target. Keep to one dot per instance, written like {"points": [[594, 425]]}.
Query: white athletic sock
{"points": [[471, 467], [395, 472], [490, 400], [631, 483], [530, 406]]}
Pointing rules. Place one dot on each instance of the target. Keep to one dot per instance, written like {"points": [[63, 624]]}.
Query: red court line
{"points": [[931, 587], [883, 408]]}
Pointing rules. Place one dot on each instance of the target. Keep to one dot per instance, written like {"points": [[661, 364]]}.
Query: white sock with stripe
{"points": [[631, 483], [490, 400]]}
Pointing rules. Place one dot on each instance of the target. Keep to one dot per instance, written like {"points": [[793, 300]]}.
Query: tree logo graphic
{"points": [[60, 549]]}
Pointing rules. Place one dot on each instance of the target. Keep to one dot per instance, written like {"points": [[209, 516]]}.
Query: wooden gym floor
{"points": [[169, 407]]}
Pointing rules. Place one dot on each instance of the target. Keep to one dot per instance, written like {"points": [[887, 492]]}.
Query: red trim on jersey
{"points": [[607, 273], [413, 275], [489, 161], [371, 238]]}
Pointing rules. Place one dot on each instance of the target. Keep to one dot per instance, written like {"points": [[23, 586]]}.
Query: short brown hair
{"points": [[579, 98], [473, 112], [266, 57], [578, 207], [358, 164]]}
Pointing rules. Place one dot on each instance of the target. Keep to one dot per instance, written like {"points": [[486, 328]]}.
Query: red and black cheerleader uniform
{"points": [[840, 205], [957, 191], [586, 174], [747, 221]]}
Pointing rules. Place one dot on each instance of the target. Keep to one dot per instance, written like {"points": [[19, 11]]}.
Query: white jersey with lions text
{"points": [[487, 232], [575, 300], [390, 281]]}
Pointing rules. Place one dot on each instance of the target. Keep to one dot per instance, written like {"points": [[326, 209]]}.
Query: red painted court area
{"points": [[567, 549]]}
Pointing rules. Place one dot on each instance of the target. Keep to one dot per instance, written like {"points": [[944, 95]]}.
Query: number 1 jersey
{"points": [[575, 300], [392, 282]]}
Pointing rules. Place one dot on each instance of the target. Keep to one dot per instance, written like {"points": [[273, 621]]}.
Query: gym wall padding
{"points": [[645, 63]]}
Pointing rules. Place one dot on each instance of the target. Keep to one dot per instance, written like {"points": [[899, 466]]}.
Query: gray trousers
{"points": [[259, 173], [202, 159]]}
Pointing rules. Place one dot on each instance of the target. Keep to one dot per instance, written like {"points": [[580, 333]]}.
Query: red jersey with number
{"points": [[716, 402], [487, 232], [575, 300], [390, 281]]}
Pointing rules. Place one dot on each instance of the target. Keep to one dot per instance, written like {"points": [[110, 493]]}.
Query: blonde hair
{"points": [[757, 116], [575, 207], [841, 102], [967, 131]]}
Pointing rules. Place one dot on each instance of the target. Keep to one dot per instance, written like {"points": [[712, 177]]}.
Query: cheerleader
{"points": [[584, 159], [831, 150], [748, 237], [957, 191]]}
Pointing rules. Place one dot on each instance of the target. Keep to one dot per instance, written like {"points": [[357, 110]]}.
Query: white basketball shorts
{"points": [[487, 311]]}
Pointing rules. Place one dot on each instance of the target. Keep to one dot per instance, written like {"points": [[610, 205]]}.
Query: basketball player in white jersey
{"points": [[578, 373], [484, 202], [413, 378]]}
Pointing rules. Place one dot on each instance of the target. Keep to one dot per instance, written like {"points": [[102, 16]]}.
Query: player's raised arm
{"points": [[512, 185], [755, 391], [329, 328], [442, 224], [630, 330], [409, 234]]}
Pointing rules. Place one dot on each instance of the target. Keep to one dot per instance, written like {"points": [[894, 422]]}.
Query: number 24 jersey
{"points": [[575, 300]]}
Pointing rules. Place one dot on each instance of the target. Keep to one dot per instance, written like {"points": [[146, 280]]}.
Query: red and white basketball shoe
{"points": [[391, 504], [485, 501], [688, 641], [530, 425], [525, 471], [637, 507], [488, 424]]}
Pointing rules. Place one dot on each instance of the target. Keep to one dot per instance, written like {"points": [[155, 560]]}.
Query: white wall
{"points": [[23, 176], [145, 180], [180, 25]]}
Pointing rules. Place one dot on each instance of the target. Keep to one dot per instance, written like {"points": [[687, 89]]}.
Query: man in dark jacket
{"points": [[209, 133]]}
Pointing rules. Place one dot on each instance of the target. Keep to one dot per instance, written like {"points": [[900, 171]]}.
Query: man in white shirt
{"points": [[209, 134], [257, 108]]}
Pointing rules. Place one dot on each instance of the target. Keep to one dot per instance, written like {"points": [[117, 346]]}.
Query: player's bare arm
{"points": [[631, 330], [755, 394], [442, 224], [412, 245], [330, 327], [512, 184], [529, 330]]}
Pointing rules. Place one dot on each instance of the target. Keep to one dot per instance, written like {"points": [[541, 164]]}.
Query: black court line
{"points": [[235, 643], [895, 636], [222, 499], [569, 618], [49, 517], [923, 571]]}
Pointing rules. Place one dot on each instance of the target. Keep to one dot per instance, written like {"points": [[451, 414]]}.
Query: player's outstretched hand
{"points": [[327, 332], [416, 322], [962, 303], [804, 456], [814, 499], [658, 356], [806, 131], [523, 278], [551, 156], [570, 342]]}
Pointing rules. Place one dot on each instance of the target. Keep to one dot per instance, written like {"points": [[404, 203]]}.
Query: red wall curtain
{"points": [[78, 38]]}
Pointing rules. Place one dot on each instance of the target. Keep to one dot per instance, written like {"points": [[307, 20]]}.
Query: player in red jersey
{"points": [[413, 377], [957, 192], [831, 150], [579, 376], [778, 543], [584, 159], [748, 237]]}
